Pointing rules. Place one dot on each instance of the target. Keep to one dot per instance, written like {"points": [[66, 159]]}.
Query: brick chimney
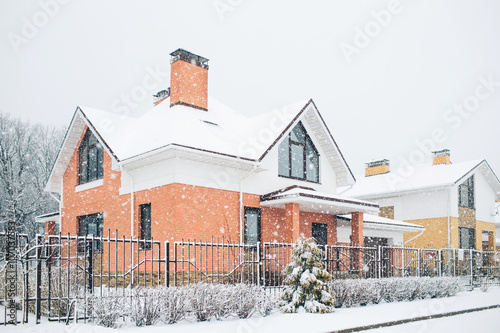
{"points": [[441, 157], [188, 80], [376, 168]]}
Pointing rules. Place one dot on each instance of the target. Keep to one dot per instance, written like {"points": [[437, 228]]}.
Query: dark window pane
{"points": [[466, 193], [252, 225], [146, 225], [467, 238], [100, 161], [297, 161], [298, 134], [83, 163], [92, 163], [284, 158], [91, 156], [320, 233], [92, 139], [312, 162], [89, 225], [82, 225]]}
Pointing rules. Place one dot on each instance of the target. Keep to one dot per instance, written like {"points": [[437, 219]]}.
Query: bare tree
{"points": [[27, 153]]}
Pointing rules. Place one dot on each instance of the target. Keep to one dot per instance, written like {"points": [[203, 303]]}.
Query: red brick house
{"points": [[193, 168]]}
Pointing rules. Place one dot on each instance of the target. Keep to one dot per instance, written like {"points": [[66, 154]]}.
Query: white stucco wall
{"points": [[416, 206], [485, 199]]}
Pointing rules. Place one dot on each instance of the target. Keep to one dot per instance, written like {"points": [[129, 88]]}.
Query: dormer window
{"points": [[91, 155], [298, 158]]}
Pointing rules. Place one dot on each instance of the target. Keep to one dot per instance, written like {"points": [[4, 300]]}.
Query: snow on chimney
{"points": [[161, 96], [441, 157], [376, 168], [188, 80]]}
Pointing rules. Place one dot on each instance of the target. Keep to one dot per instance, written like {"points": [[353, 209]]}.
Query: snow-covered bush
{"points": [[147, 305], [199, 302], [174, 305], [268, 303], [208, 301], [305, 278], [105, 310], [246, 300], [201, 298], [349, 293]]}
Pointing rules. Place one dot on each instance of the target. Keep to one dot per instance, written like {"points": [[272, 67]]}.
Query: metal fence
{"points": [[57, 273]]}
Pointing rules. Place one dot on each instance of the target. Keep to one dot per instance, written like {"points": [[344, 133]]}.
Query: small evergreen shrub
{"points": [[305, 280]]}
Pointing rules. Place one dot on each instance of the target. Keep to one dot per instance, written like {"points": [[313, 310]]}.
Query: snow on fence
{"points": [[57, 272]]}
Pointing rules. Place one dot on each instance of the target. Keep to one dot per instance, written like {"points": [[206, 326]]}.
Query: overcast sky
{"points": [[385, 75]]}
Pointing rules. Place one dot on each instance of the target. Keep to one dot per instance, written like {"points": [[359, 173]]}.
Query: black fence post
{"points": [[26, 286], [90, 266], [167, 264], [39, 241]]}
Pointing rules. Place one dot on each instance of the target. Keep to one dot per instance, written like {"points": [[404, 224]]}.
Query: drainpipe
{"points": [[59, 201], [347, 189], [131, 202], [409, 240], [241, 201], [449, 218]]}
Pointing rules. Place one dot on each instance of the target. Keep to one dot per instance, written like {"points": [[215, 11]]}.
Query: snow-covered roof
{"points": [[376, 222], [54, 216], [313, 201], [218, 130], [418, 178], [218, 134]]}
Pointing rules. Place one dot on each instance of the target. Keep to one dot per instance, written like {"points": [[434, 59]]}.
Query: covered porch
{"points": [[308, 213]]}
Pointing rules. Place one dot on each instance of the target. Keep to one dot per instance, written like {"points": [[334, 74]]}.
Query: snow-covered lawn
{"points": [[340, 319]]}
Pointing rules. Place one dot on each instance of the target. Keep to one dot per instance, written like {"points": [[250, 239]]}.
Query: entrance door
{"points": [[320, 233]]}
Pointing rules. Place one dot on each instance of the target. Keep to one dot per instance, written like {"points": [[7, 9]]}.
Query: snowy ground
{"points": [[483, 321]]}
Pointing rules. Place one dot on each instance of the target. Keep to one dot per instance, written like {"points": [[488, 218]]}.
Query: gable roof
{"points": [[218, 135], [421, 178]]}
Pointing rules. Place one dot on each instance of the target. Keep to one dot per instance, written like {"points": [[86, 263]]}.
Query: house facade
{"points": [[191, 168], [454, 202]]}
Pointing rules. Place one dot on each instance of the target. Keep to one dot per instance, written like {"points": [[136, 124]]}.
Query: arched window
{"points": [[297, 157], [91, 155]]}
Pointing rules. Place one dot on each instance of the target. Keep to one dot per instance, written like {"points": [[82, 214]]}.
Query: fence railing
{"points": [[57, 273]]}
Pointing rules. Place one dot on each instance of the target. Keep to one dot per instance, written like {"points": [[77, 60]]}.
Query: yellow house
{"points": [[456, 203]]}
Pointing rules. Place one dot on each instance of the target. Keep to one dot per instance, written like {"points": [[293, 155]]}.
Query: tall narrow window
{"points": [[466, 193], [297, 156], [89, 225], [91, 156], [146, 225], [467, 238], [252, 225]]}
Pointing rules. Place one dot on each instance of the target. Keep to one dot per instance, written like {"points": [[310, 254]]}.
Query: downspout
{"points": [[347, 189], [59, 201], [449, 218], [241, 201], [409, 240], [131, 202]]}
